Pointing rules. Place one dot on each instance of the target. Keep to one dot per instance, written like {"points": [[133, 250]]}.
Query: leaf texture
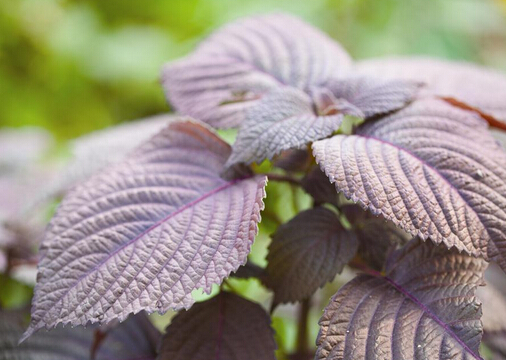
{"points": [[145, 233], [282, 120], [135, 338], [371, 96], [480, 88], [240, 62], [226, 327], [95, 151], [432, 169], [306, 253], [424, 308]]}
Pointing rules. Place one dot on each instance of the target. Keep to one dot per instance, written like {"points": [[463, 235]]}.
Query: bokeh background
{"points": [[72, 66], [75, 66]]}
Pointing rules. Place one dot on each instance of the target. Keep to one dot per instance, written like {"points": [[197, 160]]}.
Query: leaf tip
{"points": [[29, 332]]}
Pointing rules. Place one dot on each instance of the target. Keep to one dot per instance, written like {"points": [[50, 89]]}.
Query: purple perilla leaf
{"points": [[462, 83], [306, 253], [145, 233], [226, 327], [424, 308], [432, 169], [232, 69]]}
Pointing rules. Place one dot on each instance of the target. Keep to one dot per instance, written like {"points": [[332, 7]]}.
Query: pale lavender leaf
{"points": [[478, 87], [424, 308], [240, 62], [283, 119], [145, 233], [372, 96], [226, 327], [306, 253], [432, 169], [99, 149], [135, 338]]}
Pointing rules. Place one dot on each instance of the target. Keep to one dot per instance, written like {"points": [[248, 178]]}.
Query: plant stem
{"points": [[302, 331]]}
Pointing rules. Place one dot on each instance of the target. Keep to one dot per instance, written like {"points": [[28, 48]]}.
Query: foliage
{"points": [[413, 194]]}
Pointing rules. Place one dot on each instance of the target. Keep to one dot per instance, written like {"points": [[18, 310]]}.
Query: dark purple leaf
{"points": [[432, 169], [293, 160], [242, 61], [477, 87], [370, 96], [377, 237], [424, 308], [306, 253], [227, 327], [249, 270], [133, 339], [145, 233], [317, 184], [283, 119]]}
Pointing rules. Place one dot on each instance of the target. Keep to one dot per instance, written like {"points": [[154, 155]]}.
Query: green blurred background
{"points": [[74, 66]]}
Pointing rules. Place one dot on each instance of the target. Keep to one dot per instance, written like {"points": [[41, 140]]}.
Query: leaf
{"points": [[282, 120], [249, 270], [136, 338], [293, 160], [371, 96], [424, 308], [226, 327], [432, 169], [317, 184], [145, 233], [242, 61], [377, 238], [99, 149], [306, 253], [477, 87]]}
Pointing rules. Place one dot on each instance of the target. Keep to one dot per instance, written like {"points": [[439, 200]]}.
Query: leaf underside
{"points": [[227, 327], [306, 253], [412, 313], [432, 169], [145, 233]]}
